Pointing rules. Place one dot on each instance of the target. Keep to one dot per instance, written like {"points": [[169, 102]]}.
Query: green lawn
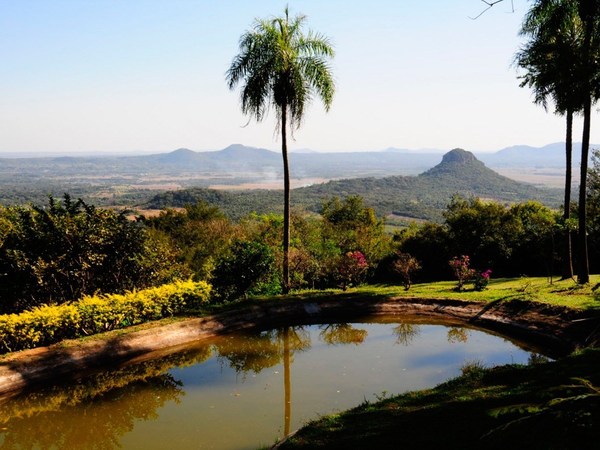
{"points": [[556, 292]]}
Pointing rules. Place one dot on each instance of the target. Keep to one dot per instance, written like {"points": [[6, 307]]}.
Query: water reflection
{"points": [[405, 333], [342, 333], [458, 335], [256, 352], [95, 412], [108, 410]]}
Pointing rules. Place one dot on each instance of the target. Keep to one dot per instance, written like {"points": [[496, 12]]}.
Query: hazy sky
{"points": [[149, 75]]}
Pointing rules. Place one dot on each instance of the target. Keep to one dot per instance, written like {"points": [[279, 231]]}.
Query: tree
{"points": [[554, 30], [590, 72], [248, 267], [576, 24], [199, 234], [281, 67], [586, 70]]}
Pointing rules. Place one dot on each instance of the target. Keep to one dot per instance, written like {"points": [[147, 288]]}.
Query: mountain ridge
{"points": [[424, 196]]}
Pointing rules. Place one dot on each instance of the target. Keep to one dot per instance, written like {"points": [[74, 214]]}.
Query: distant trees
{"points": [[284, 68]]}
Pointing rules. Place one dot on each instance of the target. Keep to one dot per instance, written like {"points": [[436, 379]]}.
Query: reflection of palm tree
{"points": [[406, 332], [255, 352], [287, 382]]}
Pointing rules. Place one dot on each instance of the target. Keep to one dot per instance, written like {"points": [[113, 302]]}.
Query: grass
{"points": [[558, 292], [552, 405]]}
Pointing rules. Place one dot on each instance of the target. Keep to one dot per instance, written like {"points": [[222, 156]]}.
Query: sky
{"points": [[117, 76]]}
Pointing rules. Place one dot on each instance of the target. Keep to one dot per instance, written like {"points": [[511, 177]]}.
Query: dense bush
{"points": [[69, 249], [247, 269], [198, 235], [94, 314]]}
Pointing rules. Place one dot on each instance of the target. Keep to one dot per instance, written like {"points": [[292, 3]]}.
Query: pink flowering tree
{"points": [[462, 270], [351, 268], [482, 279]]}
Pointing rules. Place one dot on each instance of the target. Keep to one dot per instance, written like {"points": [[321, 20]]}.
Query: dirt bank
{"points": [[554, 331]]}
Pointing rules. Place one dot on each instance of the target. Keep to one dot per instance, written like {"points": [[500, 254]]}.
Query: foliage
{"points": [[351, 225], [405, 265], [510, 240], [350, 269], [70, 249], [462, 270], [593, 216], [481, 280], [198, 235], [45, 325], [247, 269], [430, 244]]}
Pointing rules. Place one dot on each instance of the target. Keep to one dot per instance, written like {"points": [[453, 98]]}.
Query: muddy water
{"points": [[245, 391]]}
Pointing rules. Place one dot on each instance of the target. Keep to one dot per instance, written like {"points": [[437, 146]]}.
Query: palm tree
{"points": [[589, 12], [281, 67], [563, 54], [554, 30]]}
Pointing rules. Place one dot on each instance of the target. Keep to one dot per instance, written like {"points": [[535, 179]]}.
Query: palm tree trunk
{"points": [[583, 272], [587, 12], [567, 270], [285, 283]]}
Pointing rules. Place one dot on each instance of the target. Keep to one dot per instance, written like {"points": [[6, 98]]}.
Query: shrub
{"points": [[69, 249], [351, 268], [247, 269], [481, 280], [404, 265], [94, 314], [462, 270]]}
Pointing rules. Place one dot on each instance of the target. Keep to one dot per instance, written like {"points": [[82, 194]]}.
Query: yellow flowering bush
{"points": [[94, 314]]}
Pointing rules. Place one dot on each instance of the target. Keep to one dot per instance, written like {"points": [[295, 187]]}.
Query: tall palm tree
{"points": [[281, 67], [554, 29], [589, 11], [564, 48]]}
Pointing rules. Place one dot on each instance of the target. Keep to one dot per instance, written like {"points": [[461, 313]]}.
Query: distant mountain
{"points": [[548, 156], [116, 180], [461, 171], [423, 196]]}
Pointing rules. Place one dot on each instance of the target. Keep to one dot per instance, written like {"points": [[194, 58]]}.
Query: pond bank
{"points": [[552, 330]]}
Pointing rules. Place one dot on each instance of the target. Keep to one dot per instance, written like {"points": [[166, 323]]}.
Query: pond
{"points": [[247, 390]]}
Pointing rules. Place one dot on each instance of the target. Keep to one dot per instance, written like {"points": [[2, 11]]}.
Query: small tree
{"points": [[462, 270], [350, 269], [405, 265]]}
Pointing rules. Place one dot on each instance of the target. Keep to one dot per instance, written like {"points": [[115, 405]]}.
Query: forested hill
{"points": [[423, 196]]}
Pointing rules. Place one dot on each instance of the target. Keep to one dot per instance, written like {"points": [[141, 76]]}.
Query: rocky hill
{"points": [[424, 196]]}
